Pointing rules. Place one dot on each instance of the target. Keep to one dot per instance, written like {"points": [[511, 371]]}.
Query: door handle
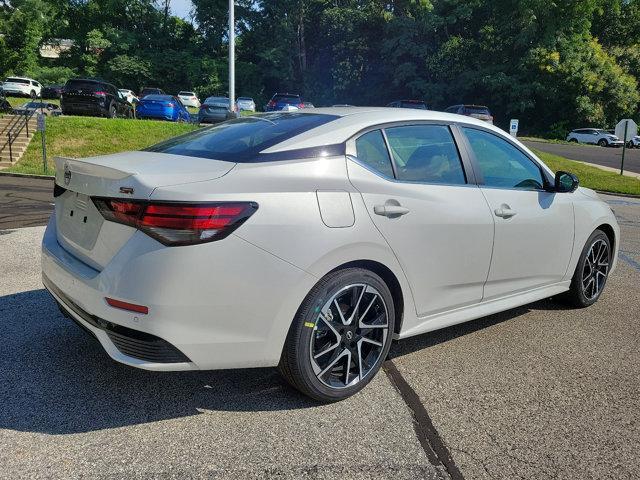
{"points": [[390, 210], [505, 211]]}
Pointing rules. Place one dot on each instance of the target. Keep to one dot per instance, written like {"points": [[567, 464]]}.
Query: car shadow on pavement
{"points": [[56, 379]]}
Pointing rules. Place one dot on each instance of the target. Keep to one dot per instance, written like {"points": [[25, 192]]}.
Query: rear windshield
{"points": [[159, 98], [241, 140], [187, 93], [245, 99], [418, 105], [84, 85], [217, 101], [477, 110], [287, 98], [17, 80]]}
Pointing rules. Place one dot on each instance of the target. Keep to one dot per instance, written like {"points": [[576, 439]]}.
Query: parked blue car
{"points": [[284, 101], [162, 107]]}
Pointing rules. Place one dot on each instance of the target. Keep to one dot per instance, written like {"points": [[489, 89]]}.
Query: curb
{"points": [[26, 175], [626, 195]]}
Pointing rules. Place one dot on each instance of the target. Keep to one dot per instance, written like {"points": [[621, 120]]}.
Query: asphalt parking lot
{"points": [[539, 392], [607, 157]]}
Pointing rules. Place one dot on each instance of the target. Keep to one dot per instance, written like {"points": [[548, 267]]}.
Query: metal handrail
{"points": [[19, 123]]}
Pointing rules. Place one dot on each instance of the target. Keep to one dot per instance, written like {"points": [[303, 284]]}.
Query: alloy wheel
{"points": [[595, 270], [349, 336]]}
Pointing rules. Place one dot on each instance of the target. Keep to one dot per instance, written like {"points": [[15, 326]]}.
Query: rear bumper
{"points": [[17, 91], [211, 306], [82, 109]]}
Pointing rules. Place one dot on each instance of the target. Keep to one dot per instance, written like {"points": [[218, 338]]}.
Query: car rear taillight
{"points": [[100, 94], [176, 224], [271, 103], [301, 105]]}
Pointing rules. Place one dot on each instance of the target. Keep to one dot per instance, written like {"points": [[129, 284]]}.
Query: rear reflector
{"points": [[132, 307], [176, 224]]}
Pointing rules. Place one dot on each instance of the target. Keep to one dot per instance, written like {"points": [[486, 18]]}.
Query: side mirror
{"points": [[565, 182]]}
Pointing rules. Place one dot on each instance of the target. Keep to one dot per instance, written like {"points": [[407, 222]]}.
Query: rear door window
{"points": [[425, 153], [242, 140]]}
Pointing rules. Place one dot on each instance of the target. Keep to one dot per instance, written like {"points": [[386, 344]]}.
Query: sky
{"points": [[180, 8]]}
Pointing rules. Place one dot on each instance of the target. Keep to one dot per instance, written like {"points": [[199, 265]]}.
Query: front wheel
{"points": [[340, 336], [603, 143], [592, 271]]}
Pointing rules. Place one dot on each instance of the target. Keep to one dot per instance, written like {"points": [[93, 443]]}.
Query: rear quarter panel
{"points": [[289, 224]]}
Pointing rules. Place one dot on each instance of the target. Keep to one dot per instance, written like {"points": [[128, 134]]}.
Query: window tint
{"points": [[476, 110], [243, 139], [502, 164], [17, 80], [372, 151], [413, 104], [425, 153], [287, 98], [84, 86]]}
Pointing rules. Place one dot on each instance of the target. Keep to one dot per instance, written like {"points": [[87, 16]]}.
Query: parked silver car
{"points": [[245, 104]]}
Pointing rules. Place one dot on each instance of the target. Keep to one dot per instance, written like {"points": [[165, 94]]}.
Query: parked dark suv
{"points": [[94, 97]]}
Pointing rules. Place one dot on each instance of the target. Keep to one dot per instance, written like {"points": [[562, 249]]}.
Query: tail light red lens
{"points": [[176, 224], [271, 103], [100, 94], [301, 105]]}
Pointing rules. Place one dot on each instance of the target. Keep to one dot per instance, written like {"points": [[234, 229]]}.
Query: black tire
{"points": [[296, 363], [32, 94], [573, 140], [576, 295], [112, 112], [603, 143]]}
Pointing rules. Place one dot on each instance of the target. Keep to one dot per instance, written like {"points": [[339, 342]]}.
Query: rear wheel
{"points": [[592, 271], [340, 336], [32, 94], [603, 143], [111, 113]]}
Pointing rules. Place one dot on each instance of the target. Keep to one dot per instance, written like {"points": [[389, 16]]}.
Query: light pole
{"points": [[232, 57]]}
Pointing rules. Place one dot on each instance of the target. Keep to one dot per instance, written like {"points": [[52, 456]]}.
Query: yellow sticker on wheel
{"points": [[309, 324]]}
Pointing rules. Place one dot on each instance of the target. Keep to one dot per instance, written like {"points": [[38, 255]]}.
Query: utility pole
{"points": [[232, 57]]}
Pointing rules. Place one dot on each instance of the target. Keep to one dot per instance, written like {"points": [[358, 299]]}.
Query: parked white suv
{"points": [[189, 99], [20, 86], [594, 136], [634, 142]]}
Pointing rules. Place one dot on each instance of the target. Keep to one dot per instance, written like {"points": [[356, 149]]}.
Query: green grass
{"points": [[19, 101], [79, 137], [592, 177]]}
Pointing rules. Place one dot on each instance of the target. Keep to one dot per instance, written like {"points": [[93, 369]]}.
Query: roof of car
{"points": [[354, 119], [20, 78]]}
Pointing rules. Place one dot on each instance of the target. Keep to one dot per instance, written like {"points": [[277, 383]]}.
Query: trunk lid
{"points": [[80, 227]]}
